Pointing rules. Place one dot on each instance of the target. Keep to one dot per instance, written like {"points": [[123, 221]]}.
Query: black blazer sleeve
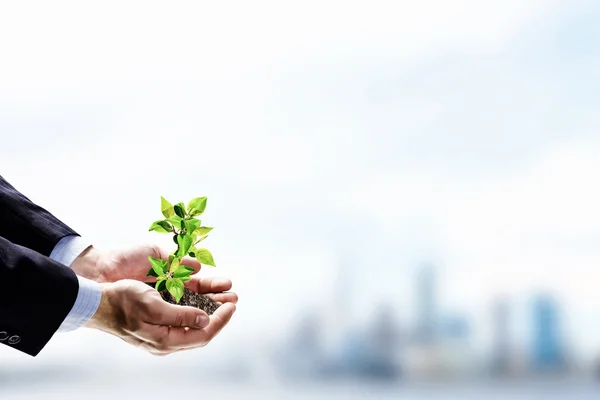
{"points": [[27, 224], [36, 293]]}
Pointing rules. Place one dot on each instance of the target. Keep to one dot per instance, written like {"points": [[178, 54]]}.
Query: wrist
{"points": [[88, 264], [105, 313]]}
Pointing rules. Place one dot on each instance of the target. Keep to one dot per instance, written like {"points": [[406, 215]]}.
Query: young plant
{"points": [[187, 233]]}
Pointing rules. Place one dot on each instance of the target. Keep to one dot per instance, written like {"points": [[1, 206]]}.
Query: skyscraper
{"points": [[426, 304], [383, 340], [500, 337], [548, 354]]}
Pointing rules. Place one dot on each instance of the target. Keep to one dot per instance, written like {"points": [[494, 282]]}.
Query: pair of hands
{"points": [[136, 313]]}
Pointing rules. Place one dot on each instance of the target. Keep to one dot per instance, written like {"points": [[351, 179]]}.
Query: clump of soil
{"points": [[191, 299]]}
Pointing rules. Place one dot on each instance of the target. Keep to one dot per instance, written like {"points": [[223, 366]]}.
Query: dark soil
{"points": [[192, 299]]}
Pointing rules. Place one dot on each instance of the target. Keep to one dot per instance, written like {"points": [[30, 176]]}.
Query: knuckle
{"points": [[179, 319], [117, 258], [155, 250]]}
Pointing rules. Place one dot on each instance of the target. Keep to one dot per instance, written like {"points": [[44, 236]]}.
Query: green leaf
{"points": [[185, 278], [165, 225], [180, 210], [201, 239], [192, 254], [175, 239], [160, 226], [152, 273], [183, 271], [197, 206], [175, 220], [166, 208], [160, 267], [175, 264], [161, 285], [191, 225], [175, 287], [184, 242], [204, 257], [203, 230]]}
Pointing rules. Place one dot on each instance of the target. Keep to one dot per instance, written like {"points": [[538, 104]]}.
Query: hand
{"points": [[112, 266], [137, 314], [133, 264]]}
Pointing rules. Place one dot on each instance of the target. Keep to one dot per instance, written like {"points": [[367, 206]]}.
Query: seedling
{"points": [[187, 233]]}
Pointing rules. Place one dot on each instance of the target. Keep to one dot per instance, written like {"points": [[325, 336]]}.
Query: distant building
{"points": [[370, 353], [307, 338], [548, 353], [383, 345], [501, 344], [426, 305], [302, 355], [455, 349]]}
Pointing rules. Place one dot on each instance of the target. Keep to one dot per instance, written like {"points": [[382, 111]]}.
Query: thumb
{"points": [[179, 316]]}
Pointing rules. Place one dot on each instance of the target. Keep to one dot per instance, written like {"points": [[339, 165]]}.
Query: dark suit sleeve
{"points": [[26, 224], [36, 293]]}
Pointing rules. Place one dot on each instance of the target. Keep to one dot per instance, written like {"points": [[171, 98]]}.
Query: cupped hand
{"points": [[137, 314]]}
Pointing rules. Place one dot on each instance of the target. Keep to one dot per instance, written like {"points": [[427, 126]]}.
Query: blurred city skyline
{"points": [[341, 147]]}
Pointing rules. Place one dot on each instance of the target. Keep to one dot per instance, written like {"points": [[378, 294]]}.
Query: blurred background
{"points": [[405, 193]]}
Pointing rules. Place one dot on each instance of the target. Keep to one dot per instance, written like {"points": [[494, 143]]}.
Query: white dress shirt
{"points": [[90, 292]]}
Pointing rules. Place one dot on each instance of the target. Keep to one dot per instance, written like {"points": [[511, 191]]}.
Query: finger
{"points": [[208, 284], [182, 338], [218, 320], [227, 297], [166, 314]]}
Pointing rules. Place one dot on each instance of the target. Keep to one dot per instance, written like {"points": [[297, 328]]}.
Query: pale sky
{"points": [[387, 133]]}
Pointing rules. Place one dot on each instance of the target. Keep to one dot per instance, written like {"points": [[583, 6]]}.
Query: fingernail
{"points": [[202, 321]]}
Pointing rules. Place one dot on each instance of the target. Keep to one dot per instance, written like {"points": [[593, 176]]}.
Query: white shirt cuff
{"points": [[90, 292]]}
